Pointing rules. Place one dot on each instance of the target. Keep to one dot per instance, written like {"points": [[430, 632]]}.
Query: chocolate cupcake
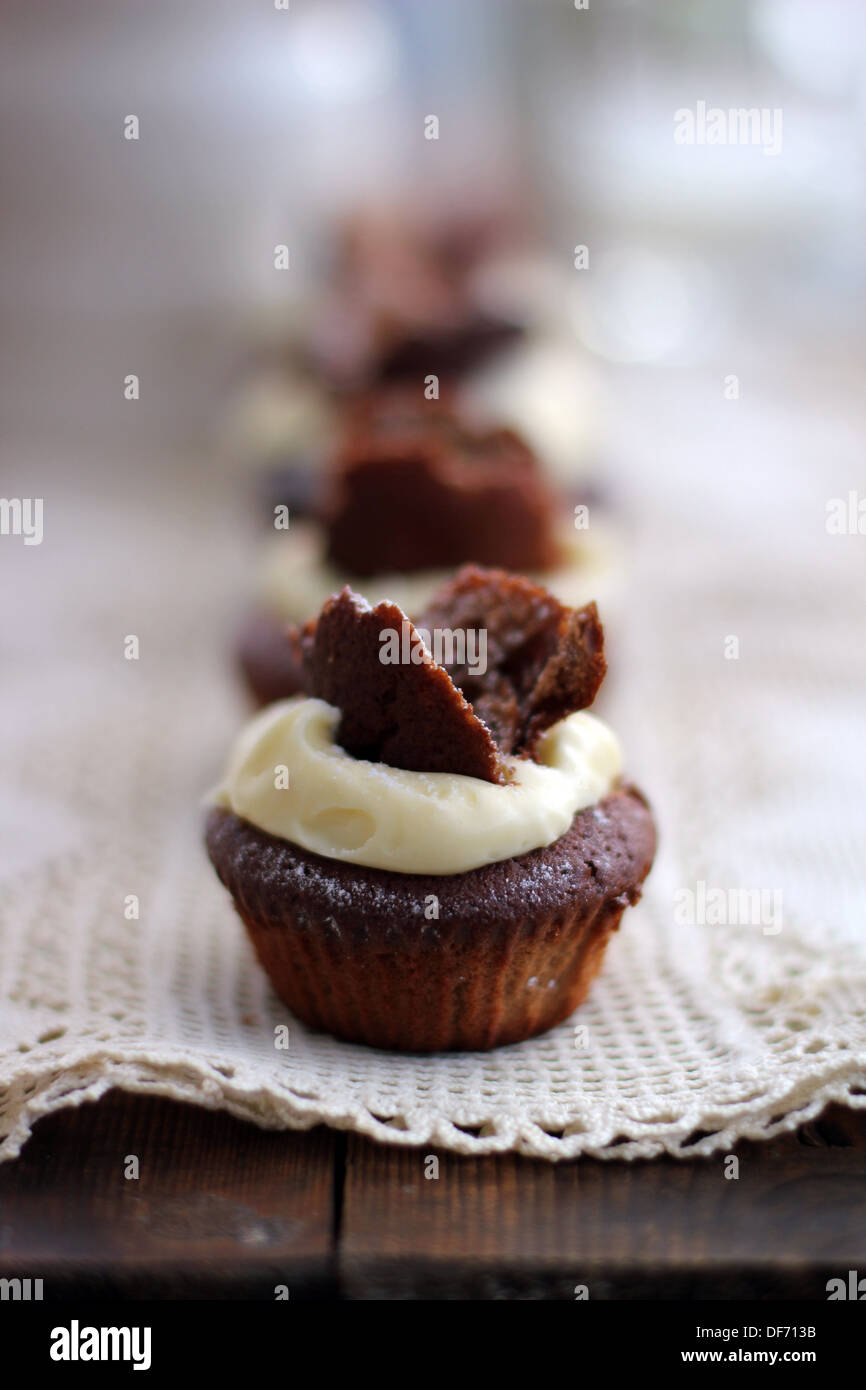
{"points": [[412, 492], [427, 853]]}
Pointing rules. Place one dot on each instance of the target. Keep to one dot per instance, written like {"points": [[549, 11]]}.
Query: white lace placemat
{"points": [[697, 1032]]}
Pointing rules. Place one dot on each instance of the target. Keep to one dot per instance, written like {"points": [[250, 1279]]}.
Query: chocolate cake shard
{"points": [[406, 712], [542, 661]]}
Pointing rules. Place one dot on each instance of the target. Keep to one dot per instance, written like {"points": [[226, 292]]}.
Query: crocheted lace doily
{"points": [[694, 1034]]}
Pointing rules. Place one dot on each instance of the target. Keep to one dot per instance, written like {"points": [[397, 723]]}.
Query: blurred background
{"points": [[261, 126]]}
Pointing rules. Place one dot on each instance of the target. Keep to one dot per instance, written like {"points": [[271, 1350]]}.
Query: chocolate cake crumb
{"points": [[544, 661], [407, 714]]}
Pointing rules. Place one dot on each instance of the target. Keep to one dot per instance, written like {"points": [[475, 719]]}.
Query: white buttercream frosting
{"points": [[288, 776]]}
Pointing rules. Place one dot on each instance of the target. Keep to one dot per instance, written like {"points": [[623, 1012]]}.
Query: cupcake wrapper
{"points": [[444, 993], [513, 951]]}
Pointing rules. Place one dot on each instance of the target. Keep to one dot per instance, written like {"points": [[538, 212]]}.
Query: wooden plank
{"points": [[508, 1227], [221, 1209], [224, 1210]]}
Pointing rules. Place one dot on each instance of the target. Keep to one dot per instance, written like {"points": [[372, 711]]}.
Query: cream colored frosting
{"points": [[410, 822], [295, 578]]}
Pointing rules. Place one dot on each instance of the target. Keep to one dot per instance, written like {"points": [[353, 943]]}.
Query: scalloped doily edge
{"points": [[53, 1086]]}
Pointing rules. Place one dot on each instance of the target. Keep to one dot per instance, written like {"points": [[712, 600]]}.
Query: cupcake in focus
{"points": [[431, 846]]}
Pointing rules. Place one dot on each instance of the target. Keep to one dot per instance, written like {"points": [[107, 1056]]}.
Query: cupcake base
{"points": [[427, 963], [265, 658]]}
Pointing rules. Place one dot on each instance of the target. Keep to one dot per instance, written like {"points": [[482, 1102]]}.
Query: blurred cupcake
{"points": [[431, 848], [414, 491], [402, 305], [399, 302]]}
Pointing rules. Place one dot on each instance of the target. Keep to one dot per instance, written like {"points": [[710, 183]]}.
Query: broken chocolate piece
{"points": [[544, 661], [407, 713], [414, 487]]}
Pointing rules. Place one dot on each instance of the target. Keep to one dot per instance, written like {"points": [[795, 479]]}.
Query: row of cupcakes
{"points": [[425, 832]]}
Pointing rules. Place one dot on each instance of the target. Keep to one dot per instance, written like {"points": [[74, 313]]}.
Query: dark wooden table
{"points": [[223, 1210]]}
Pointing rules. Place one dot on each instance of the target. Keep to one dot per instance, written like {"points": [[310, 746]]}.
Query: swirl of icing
{"points": [[288, 776]]}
